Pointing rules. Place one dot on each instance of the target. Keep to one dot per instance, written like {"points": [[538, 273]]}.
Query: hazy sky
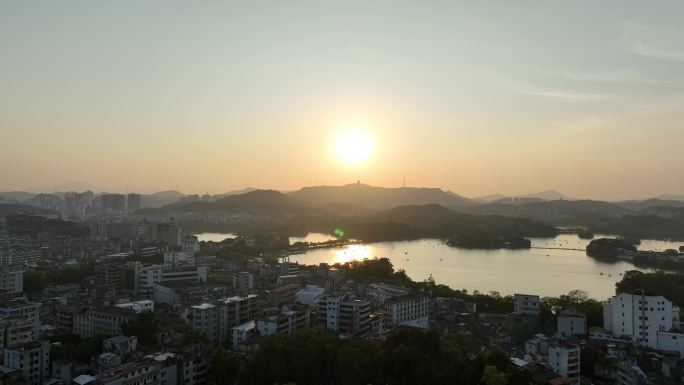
{"points": [[583, 97]]}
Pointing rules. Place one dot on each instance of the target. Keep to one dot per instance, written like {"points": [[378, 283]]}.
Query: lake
{"points": [[214, 237], [532, 271]]}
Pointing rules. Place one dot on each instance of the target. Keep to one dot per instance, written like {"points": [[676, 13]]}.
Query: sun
{"points": [[353, 146]]}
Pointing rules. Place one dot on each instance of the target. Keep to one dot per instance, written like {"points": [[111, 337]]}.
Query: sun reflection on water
{"points": [[352, 252]]}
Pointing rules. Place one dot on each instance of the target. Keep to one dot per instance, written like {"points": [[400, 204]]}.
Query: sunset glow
{"points": [[353, 146]]}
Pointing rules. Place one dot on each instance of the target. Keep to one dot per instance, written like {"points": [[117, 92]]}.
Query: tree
{"points": [[35, 281], [145, 327], [225, 367], [499, 359], [194, 337], [492, 376]]}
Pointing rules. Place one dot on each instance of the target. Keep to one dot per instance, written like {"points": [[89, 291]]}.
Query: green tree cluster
{"points": [[411, 356], [669, 285], [46, 275], [71, 348], [145, 327]]}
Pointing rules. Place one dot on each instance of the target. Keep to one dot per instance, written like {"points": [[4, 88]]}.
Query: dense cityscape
{"points": [[99, 290]]}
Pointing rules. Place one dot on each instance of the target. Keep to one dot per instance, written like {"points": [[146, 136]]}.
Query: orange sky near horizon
{"points": [[475, 98]]}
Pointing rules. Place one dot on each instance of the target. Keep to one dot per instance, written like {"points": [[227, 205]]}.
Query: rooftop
{"points": [[180, 284], [25, 345], [83, 379], [117, 339], [246, 326]]}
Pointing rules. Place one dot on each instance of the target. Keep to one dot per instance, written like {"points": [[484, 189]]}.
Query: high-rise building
{"points": [[131, 276], [134, 203], [108, 280], [113, 203], [76, 204], [169, 233]]}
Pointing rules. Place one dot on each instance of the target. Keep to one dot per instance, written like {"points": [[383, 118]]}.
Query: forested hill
{"points": [[379, 198]]}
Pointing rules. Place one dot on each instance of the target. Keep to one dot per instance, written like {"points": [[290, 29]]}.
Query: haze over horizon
{"points": [[80, 187], [475, 98]]}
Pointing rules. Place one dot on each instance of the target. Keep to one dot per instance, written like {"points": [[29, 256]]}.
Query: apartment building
{"points": [[31, 358], [571, 323], [410, 310], [640, 317], [345, 315], [564, 359], [287, 322], [101, 321], [20, 308], [526, 304]]}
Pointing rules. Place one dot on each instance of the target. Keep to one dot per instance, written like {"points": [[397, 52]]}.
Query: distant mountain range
{"points": [[256, 202], [670, 197], [549, 195], [433, 210], [361, 200], [18, 208], [378, 198]]}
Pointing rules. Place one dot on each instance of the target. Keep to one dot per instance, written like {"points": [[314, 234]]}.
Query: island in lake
{"points": [[480, 241]]}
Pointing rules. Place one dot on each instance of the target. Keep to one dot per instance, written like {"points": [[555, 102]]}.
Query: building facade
{"points": [[31, 358], [564, 360], [639, 317], [526, 304]]}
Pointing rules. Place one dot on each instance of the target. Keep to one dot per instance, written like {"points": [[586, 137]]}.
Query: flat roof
{"points": [[119, 339], [83, 379], [249, 325]]}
